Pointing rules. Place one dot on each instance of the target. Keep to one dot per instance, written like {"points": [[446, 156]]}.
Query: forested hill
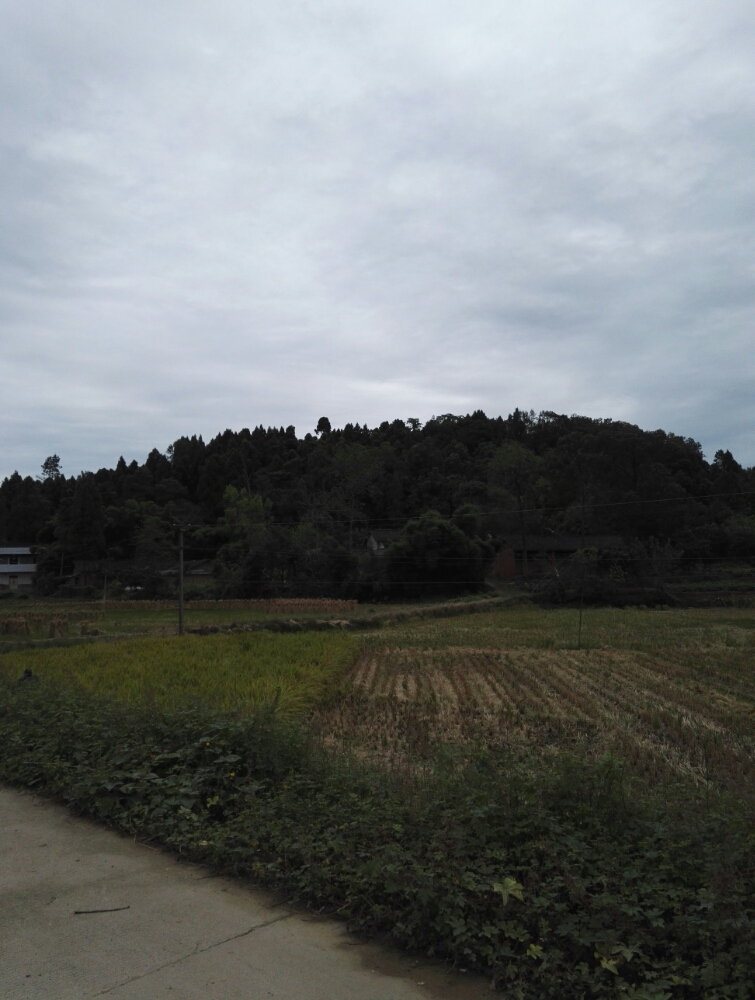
{"points": [[280, 511]]}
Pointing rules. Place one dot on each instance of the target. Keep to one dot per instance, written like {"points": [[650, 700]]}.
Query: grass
{"points": [[233, 673], [525, 625]]}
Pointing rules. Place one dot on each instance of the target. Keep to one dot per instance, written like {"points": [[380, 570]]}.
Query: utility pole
{"points": [[181, 581], [582, 574]]}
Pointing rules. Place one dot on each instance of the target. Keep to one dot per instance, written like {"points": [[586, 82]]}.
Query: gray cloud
{"points": [[224, 215]]}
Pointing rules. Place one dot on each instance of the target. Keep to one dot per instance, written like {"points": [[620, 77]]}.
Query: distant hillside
{"points": [[279, 513]]}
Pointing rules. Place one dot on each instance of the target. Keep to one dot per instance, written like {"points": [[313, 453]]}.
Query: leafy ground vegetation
{"points": [[574, 822]]}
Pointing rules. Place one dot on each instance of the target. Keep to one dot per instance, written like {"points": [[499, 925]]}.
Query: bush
{"points": [[740, 536], [631, 574]]}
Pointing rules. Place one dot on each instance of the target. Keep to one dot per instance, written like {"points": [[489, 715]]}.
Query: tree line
{"points": [[277, 513]]}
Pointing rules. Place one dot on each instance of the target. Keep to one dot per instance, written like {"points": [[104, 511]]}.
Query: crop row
{"points": [[668, 716]]}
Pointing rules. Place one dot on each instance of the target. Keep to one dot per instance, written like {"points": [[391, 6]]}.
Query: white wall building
{"points": [[17, 567]]}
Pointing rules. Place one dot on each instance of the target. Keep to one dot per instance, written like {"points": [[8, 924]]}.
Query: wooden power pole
{"points": [[180, 581]]}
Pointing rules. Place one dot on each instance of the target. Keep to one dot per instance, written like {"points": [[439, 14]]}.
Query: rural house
{"points": [[545, 552], [379, 539], [17, 568]]}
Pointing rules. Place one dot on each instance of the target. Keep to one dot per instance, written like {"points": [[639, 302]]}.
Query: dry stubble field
{"points": [[672, 692]]}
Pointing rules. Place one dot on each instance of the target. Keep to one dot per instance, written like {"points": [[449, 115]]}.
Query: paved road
{"points": [[170, 929]]}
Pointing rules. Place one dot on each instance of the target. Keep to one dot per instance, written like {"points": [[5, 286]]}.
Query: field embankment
{"points": [[36, 622]]}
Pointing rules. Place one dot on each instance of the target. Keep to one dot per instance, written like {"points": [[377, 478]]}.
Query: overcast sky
{"points": [[224, 214]]}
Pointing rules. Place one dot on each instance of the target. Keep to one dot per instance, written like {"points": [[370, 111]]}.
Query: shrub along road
{"points": [[86, 913]]}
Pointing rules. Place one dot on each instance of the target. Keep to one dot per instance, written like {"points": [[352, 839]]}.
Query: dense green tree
{"points": [[355, 470], [323, 493], [24, 510], [515, 475], [243, 522], [87, 521], [433, 555], [154, 542]]}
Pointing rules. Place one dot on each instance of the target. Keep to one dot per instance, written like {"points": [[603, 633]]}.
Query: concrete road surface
{"points": [[87, 913]]}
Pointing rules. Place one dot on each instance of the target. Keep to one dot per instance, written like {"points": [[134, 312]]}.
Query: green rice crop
{"points": [[229, 672]]}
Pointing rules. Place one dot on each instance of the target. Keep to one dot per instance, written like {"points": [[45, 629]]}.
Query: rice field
{"points": [[673, 691], [674, 696], [236, 673], [526, 625]]}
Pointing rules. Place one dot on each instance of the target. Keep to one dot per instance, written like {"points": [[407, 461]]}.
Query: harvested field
{"points": [[676, 713], [38, 622]]}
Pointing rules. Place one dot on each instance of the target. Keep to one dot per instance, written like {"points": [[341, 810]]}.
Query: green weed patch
{"points": [[552, 877]]}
